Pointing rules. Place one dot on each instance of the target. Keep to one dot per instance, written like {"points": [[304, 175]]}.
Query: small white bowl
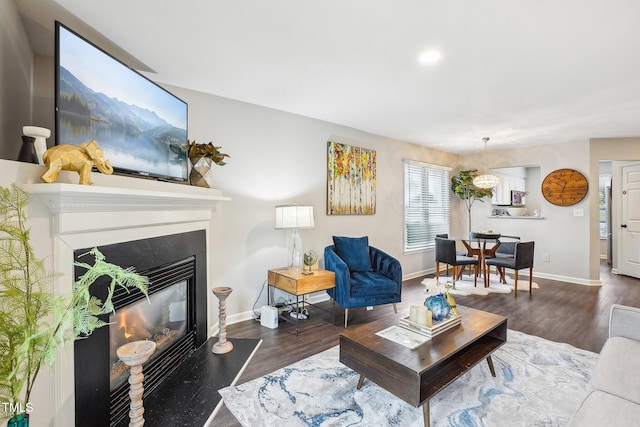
{"points": [[517, 211]]}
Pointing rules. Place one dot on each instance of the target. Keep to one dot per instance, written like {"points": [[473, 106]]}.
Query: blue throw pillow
{"points": [[354, 251]]}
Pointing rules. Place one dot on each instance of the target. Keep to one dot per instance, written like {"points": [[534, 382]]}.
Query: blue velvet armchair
{"points": [[365, 276]]}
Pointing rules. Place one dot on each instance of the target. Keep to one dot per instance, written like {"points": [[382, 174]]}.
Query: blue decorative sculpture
{"points": [[438, 305]]}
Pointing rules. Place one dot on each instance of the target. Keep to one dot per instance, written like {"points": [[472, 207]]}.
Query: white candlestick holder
{"points": [[134, 354], [222, 346]]}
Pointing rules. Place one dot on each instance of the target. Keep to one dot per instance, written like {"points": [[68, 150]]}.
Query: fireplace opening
{"points": [[161, 319], [173, 315], [166, 317]]}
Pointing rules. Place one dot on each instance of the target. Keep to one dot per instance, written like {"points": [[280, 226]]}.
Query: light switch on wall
{"points": [[578, 212]]}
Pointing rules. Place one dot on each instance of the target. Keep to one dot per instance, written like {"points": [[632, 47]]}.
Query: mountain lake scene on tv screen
{"points": [[140, 126]]}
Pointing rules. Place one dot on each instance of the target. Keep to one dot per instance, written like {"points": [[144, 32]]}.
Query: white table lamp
{"points": [[294, 217]]}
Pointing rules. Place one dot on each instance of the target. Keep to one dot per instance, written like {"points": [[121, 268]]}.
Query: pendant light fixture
{"points": [[487, 180]]}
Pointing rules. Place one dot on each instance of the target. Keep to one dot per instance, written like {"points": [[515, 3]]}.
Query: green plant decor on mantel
{"points": [[202, 157], [195, 150], [462, 186], [35, 323]]}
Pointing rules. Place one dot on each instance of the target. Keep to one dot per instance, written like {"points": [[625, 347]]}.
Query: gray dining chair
{"points": [[522, 258], [446, 236], [507, 249], [446, 253]]}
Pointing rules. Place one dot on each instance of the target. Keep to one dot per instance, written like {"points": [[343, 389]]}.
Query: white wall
{"points": [[278, 158], [43, 113], [16, 65], [560, 234]]}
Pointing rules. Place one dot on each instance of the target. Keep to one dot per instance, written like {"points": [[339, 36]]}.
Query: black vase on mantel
{"points": [[28, 150]]}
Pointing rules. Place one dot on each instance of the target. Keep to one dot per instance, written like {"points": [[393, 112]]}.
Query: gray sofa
{"points": [[614, 399]]}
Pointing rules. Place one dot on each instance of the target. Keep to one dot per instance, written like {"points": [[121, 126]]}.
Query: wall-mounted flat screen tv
{"points": [[141, 127]]}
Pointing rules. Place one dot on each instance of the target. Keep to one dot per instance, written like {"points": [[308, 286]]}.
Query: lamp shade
{"points": [[294, 216]]}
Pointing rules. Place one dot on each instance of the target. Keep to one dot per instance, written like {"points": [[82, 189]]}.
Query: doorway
{"points": [[604, 212]]}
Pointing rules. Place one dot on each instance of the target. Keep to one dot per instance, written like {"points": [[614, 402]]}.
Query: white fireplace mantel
{"points": [[67, 198], [92, 208]]}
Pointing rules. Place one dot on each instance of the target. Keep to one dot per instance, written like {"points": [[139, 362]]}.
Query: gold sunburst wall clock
{"points": [[565, 187]]}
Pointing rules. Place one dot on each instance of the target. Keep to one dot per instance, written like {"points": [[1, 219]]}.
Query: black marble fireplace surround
{"points": [[166, 260]]}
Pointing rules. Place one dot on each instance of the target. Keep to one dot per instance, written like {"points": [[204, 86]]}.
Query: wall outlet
{"points": [[578, 212], [545, 257]]}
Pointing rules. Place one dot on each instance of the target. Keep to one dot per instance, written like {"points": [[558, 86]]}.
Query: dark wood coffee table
{"points": [[417, 375]]}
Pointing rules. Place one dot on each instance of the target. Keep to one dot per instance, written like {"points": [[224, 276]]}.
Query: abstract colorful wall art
{"points": [[351, 180]]}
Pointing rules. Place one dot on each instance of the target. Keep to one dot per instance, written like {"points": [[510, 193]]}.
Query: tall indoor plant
{"points": [[462, 186], [35, 323]]}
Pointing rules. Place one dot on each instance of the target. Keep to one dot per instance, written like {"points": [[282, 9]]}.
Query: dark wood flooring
{"points": [[190, 393], [558, 311]]}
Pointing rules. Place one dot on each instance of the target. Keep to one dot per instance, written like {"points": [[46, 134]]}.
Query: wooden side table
{"points": [[299, 285]]}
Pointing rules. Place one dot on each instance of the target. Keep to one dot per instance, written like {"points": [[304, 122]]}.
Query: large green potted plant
{"points": [[35, 323], [462, 186]]}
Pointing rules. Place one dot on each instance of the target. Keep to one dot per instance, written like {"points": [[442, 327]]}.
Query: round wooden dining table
{"points": [[483, 246]]}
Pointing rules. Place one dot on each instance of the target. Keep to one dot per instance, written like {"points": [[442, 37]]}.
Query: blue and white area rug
{"points": [[538, 383]]}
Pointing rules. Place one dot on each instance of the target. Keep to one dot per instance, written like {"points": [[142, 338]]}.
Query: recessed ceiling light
{"points": [[429, 57]]}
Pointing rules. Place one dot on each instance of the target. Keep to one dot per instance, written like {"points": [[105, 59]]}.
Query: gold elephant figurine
{"points": [[80, 158]]}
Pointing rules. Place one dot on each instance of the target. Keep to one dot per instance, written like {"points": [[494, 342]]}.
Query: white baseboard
{"points": [[234, 318], [249, 315], [418, 274], [567, 279]]}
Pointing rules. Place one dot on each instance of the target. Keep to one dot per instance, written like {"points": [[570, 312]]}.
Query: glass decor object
{"points": [[438, 305], [294, 217], [310, 258]]}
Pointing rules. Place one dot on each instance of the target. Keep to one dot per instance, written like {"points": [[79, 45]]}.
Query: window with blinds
{"points": [[426, 204]]}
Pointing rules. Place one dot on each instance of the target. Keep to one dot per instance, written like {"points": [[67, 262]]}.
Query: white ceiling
{"points": [[525, 72]]}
